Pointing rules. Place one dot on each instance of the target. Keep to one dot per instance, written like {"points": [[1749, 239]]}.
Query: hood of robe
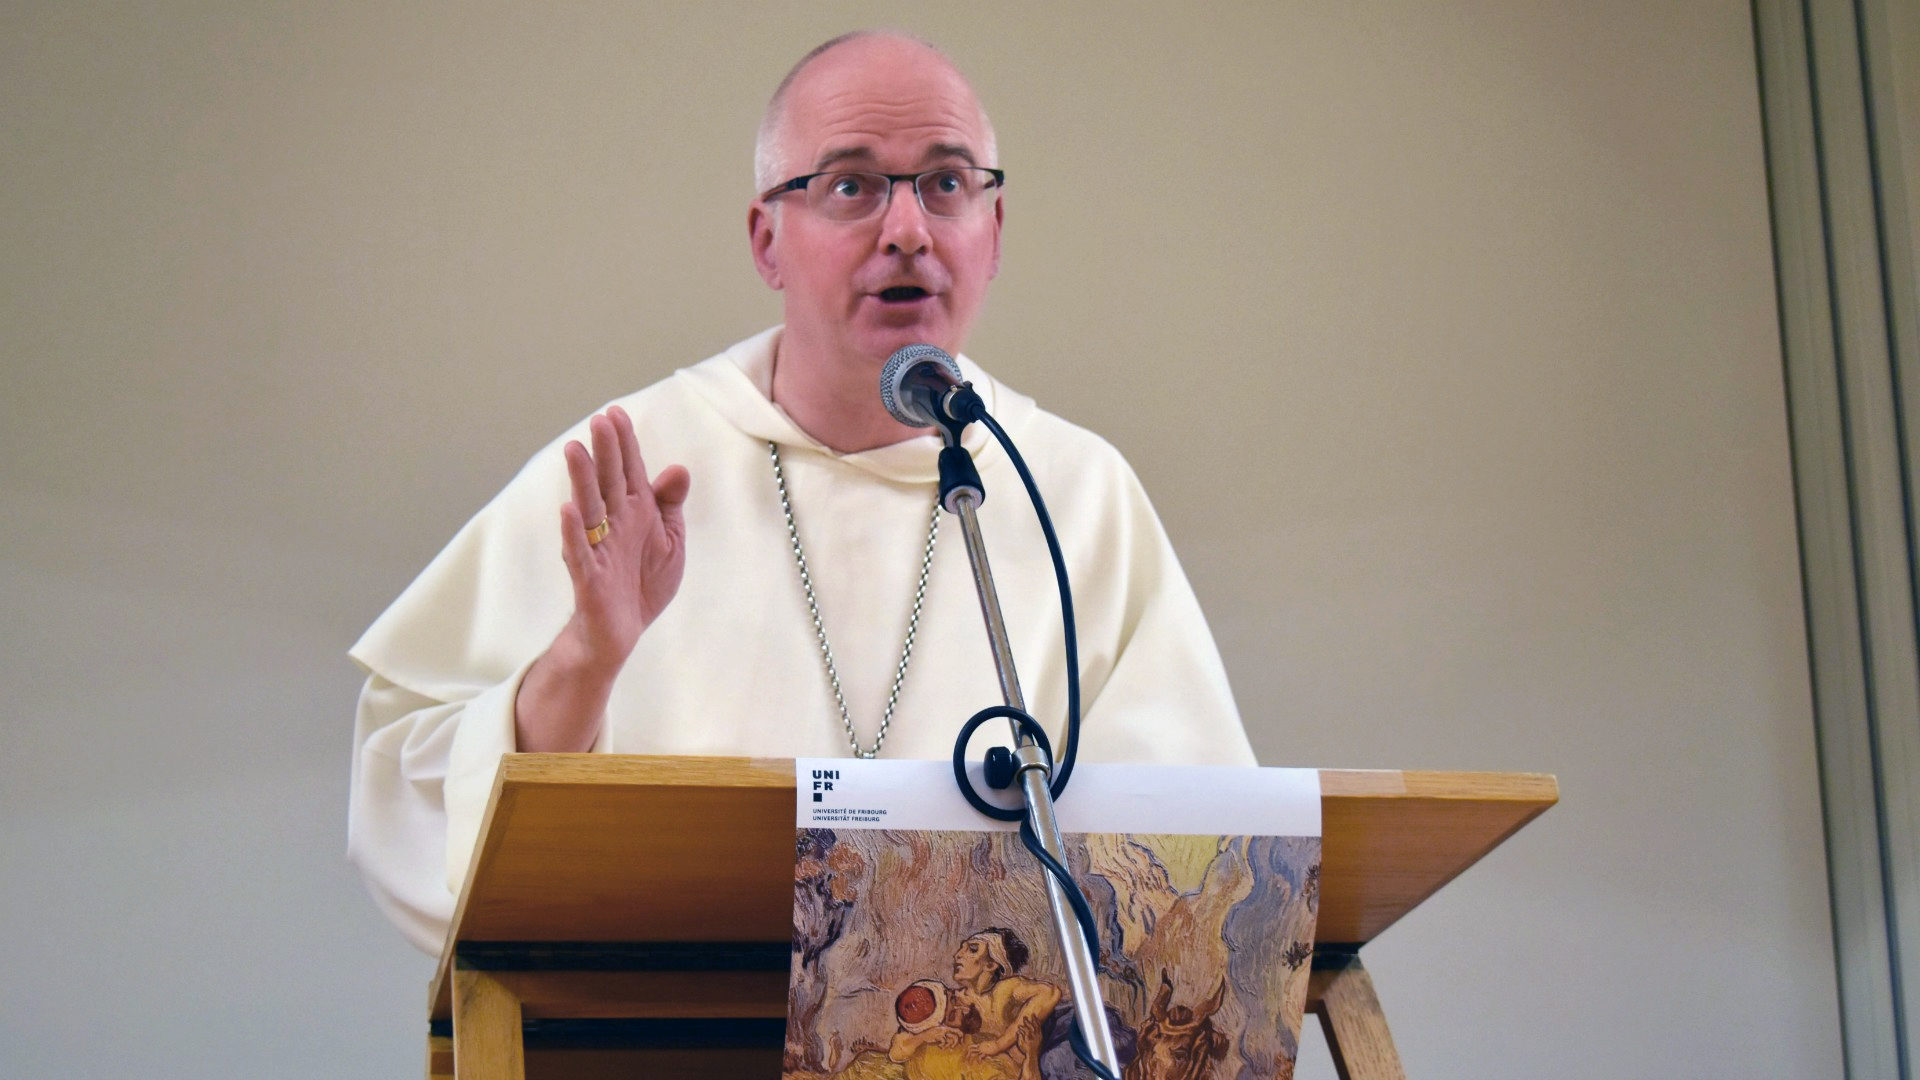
{"points": [[738, 383]]}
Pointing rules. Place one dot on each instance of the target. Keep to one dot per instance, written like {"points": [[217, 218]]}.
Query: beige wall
{"points": [[1443, 336]]}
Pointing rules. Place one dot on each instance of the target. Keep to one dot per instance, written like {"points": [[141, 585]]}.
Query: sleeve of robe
{"points": [[444, 664]]}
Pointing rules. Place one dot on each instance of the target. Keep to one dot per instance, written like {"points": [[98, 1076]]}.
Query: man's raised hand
{"points": [[623, 582], [624, 540]]}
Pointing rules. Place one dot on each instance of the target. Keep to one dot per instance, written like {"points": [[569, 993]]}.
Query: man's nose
{"points": [[903, 228]]}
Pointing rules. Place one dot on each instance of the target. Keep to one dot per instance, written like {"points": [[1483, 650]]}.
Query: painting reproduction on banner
{"points": [[931, 953]]}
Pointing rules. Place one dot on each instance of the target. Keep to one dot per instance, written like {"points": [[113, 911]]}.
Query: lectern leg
{"points": [[486, 1029], [1341, 994]]}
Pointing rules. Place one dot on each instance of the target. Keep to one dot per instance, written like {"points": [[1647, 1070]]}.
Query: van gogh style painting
{"points": [[931, 955]]}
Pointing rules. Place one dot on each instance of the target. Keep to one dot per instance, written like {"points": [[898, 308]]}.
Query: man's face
{"points": [[857, 291]]}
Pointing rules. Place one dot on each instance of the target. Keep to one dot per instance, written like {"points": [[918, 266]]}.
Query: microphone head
{"points": [[921, 361]]}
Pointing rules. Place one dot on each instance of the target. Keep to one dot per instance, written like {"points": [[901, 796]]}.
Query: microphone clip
{"points": [[958, 477], [957, 408]]}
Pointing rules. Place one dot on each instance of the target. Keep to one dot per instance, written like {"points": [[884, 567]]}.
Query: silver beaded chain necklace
{"points": [[820, 629]]}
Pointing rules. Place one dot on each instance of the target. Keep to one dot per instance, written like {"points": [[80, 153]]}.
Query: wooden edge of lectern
{"points": [[598, 878]]}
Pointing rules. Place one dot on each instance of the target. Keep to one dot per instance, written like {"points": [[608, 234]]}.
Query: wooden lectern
{"points": [[631, 916]]}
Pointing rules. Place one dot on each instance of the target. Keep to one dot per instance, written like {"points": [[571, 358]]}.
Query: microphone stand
{"points": [[961, 494]]}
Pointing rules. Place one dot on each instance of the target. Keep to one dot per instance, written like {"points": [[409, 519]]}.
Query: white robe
{"points": [[732, 666]]}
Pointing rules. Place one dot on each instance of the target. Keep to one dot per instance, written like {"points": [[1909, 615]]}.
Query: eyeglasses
{"points": [[857, 196]]}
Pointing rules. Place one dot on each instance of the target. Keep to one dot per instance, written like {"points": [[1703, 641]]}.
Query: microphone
{"points": [[921, 386]]}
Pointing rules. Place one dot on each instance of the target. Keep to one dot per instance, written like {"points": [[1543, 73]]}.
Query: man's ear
{"points": [[999, 218], [760, 224]]}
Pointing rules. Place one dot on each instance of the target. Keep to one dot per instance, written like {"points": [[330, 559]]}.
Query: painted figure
{"points": [[1177, 1042], [934, 1042], [1012, 1010]]}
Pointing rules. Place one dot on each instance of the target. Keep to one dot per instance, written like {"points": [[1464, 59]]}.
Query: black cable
{"points": [[1071, 750], [1081, 1050], [1082, 911], [1069, 631], [1075, 898]]}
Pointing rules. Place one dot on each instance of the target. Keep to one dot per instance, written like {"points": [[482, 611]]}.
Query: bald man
{"points": [[780, 588]]}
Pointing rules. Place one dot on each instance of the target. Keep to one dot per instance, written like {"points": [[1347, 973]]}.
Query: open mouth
{"points": [[903, 294]]}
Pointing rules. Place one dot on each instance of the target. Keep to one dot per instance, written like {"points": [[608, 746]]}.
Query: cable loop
{"points": [[1027, 724]]}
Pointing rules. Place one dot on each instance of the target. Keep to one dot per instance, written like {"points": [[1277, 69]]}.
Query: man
{"points": [[762, 593]]}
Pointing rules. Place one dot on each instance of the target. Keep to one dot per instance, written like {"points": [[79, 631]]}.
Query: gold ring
{"points": [[598, 532]]}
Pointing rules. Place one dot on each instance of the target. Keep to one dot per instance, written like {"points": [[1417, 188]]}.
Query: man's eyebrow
{"points": [[835, 157], [934, 153], [947, 150]]}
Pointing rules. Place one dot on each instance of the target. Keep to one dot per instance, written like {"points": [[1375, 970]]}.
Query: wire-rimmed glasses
{"points": [[951, 192]]}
